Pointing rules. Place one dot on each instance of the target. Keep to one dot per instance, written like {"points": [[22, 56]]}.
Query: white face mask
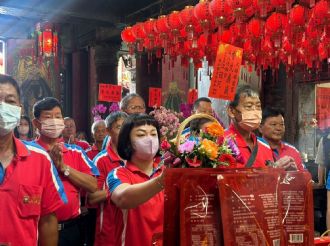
{"points": [[52, 128], [10, 116], [146, 148]]}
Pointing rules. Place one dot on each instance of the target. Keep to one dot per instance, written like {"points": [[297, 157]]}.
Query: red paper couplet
{"points": [[109, 93], [192, 96], [155, 97], [226, 71], [323, 107]]}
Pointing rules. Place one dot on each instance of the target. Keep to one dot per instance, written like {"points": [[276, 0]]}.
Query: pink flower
{"points": [[186, 147]]}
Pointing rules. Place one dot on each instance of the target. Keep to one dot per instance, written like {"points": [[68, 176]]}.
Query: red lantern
{"points": [[187, 19], [221, 11], [175, 24], [138, 32], [47, 40], [174, 20], [321, 14], [255, 28], [148, 27], [275, 25], [162, 24], [127, 35], [202, 13], [297, 16]]}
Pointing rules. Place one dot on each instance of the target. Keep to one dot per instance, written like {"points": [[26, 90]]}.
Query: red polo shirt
{"points": [[76, 158], [31, 188], [264, 151], [82, 144], [107, 213], [289, 150], [92, 152], [137, 226]]}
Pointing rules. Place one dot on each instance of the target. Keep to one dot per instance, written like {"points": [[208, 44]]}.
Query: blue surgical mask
{"points": [[9, 117]]}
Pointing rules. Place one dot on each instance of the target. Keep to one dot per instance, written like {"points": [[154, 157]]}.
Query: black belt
{"points": [[67, 224]]}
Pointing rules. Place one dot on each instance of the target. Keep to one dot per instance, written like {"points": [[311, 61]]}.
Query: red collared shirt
{"points": [[82, 144], [31, 188], [77, 159], [264, 151], [107, 213], [289, 150], [137, 226], [92, 152]]}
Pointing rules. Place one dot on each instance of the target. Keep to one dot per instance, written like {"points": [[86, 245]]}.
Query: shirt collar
{"points": [[240, 141], [21, 149], [133, 168], [45, 146], [112, 154]]}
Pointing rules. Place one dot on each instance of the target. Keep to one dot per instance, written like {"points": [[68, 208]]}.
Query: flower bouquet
{"points": [[207, 148], [168, 120]]}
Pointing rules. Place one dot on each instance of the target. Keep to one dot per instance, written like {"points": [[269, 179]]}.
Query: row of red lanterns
{"points": [[269, 31]]}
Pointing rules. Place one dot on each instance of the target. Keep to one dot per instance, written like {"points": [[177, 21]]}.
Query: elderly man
{"points": [[30, 188], [133, 104], [99, 132]]}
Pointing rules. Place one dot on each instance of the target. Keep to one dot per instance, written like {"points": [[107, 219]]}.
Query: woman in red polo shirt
{"points": [[136, 188]]}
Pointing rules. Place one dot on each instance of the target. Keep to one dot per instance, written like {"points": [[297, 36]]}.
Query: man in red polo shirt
{"points": [[75, 168], [69, 134], [245, 113], [272, 129], [99, 132], [107, 222], [30, 189]]}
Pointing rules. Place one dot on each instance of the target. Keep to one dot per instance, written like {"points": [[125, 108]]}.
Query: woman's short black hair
{"points": [[125, 148], [48, 103], [30, 133]]}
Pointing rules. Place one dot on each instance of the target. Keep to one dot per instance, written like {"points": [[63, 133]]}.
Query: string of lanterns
{"points": [[269, 31]]}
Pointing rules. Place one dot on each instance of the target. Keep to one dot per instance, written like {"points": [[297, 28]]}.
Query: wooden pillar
{"points": [[148, 74], [106, 63]]}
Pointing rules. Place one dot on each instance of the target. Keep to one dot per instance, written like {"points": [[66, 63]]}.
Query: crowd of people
{"points": [[56, 189]]}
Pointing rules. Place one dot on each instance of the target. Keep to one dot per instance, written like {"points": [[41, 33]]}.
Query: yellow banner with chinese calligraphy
{"points": [[226, 71]]}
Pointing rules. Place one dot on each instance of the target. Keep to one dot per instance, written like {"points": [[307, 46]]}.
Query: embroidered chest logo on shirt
{"points": [[33, 200]]}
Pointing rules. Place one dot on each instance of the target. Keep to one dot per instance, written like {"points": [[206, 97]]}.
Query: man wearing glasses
{"points": [[133, 104]]}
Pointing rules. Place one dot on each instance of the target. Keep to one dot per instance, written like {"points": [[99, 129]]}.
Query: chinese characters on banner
{"points": [[192, 96], [323, 107], [155, 97], [226, 71], [109, 93]]}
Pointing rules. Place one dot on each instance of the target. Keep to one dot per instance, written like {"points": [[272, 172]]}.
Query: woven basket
{"points": [[187, 121]]}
